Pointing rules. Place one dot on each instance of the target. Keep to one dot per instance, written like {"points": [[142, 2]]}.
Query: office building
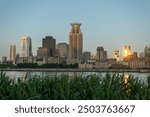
{"points": [[101, 55], [13, 53], [50, 43], [63, 50], [75, 43], [26, 47]]}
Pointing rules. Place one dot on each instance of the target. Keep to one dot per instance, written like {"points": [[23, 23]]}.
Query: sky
{"points": [[108, 23]]}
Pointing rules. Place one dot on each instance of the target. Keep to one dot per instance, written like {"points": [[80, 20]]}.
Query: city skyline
{"points": [[107, 23]]}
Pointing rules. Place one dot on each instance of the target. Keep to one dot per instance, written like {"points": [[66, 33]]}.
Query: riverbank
{"points": [[78, 70]]}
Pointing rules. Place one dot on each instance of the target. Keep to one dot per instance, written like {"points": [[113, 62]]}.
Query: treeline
{"points": [[35, 65], [27, 65], [60, 65], [7, 66]]}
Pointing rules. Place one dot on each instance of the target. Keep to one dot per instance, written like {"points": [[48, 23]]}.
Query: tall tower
{"points": [[26, 47], [75, 43], [12, 53]]}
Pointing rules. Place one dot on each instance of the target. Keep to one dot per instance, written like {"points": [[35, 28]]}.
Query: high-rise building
{"points": [[101, 55], [75, 43], [86, 56], [127, 50], [63, 50], [50, 43], [12, 53], [26, 47]]}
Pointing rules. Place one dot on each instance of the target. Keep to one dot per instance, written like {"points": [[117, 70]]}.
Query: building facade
{"points": [[4, 59], [26, 47], [12, 53], [75, 43], [43, 52], [86, 56]]}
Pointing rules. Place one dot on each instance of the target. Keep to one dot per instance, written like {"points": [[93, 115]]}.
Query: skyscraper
{"points": [[12, 53], [50, 43], [75, 43], [26, 47]]}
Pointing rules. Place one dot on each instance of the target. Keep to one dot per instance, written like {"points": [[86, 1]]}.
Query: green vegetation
{"points": [[92, 87]]}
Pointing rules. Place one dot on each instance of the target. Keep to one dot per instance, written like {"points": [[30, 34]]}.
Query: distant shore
{"points": [[76, 70]]}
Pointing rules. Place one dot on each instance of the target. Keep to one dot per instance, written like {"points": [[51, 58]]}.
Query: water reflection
{"points": [[126, 78]]}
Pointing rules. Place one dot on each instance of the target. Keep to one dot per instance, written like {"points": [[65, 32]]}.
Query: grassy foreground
{"points": [[92, 87]]}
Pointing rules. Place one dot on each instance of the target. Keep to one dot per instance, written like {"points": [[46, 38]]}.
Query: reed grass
{"points": [[91, 87]]}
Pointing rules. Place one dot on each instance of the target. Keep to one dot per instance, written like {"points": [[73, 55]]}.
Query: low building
{"points": [[40, 61], [26, 59], [53, 60], [140, 63], [101, 65], [73, 61], [86, 65], [43, 52], [4, 59]]}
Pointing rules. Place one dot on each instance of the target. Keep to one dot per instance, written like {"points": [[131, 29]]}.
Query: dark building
{"points": [[48, 48], [101, 55], [50, 43]]}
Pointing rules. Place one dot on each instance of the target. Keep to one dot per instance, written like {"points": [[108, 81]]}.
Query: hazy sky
{"points": [[108, 23]]}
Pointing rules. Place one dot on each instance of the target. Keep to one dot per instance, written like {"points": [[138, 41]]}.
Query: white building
{"points": [[26, 47]]}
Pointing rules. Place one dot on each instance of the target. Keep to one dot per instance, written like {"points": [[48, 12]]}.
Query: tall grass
{"points": [[92, 87]]}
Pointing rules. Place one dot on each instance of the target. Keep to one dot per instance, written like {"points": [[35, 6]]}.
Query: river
{"points": [[22, 74]]}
